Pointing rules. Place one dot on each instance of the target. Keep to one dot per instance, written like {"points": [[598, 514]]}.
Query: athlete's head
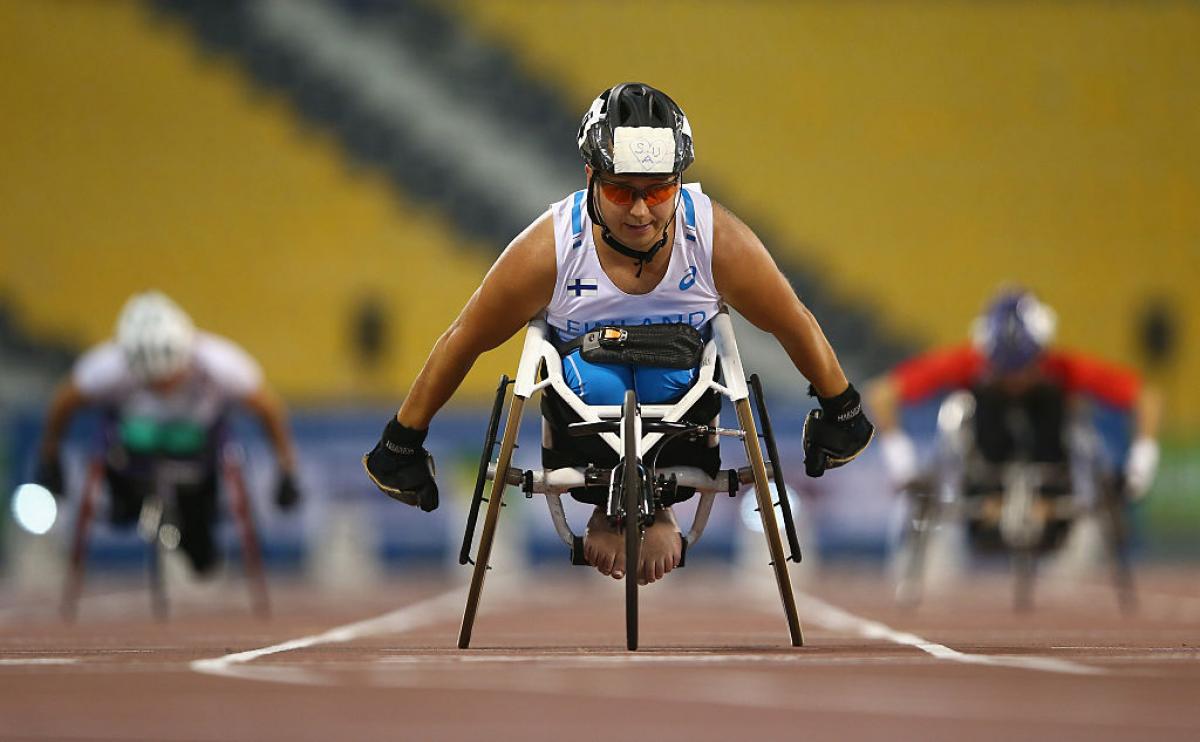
{"points": [[636, 143], [156, 337], [1013, 331]]}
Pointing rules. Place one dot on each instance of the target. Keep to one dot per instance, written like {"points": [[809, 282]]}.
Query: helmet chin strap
{"points": [[641, 256]]}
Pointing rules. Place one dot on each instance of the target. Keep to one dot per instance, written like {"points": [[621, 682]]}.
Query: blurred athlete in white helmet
{"points": [[166, 388]]}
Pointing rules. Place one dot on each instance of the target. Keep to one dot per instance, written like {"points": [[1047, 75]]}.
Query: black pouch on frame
{"points": [[658, 346]]}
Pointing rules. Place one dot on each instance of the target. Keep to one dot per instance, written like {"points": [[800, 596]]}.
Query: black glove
{"points": [[287, 495], [836, 433], [49, 474], [401, 467]]}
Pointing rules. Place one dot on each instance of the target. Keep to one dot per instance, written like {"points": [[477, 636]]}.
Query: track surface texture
{"points": [[548, 663]]}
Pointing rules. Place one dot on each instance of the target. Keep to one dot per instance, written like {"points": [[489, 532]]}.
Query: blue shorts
{"points": [[606, 383]]}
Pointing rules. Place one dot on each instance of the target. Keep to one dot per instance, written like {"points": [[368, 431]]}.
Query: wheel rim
{"points": [[633, 529]]}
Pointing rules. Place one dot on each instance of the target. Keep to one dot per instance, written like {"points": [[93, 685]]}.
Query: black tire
{"points": [[768, 434], [1024, 568], [485, 458], [1113, 504], [631, 485], [920, 521]]}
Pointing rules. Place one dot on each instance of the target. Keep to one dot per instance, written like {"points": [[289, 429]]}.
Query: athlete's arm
{"points": [[1123, 388], [750, 282], [1147, 412], [270, 410], [922, 377], [48, 472], [68, 399], [883, 395], [518, 286]]}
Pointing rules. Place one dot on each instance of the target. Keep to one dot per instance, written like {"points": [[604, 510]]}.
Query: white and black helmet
{"points": [[635, 129], [155, 335]]}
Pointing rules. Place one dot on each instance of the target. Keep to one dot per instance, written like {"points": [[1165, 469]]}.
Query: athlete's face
{"points": [[636, 208], [1019, 381], [167, 384]]}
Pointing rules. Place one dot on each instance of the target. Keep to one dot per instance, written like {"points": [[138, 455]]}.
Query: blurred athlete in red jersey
{"points": [[1009, 365]]}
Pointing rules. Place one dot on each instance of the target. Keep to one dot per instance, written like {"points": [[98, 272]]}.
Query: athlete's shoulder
{"points": [[964, 354], [226, 362], [737, 252], [535, 244], [1074, 366], [571, 201], [526, 269], [1072, 357], [727, 227], [949, 367], [210, 345], [100, 369]]}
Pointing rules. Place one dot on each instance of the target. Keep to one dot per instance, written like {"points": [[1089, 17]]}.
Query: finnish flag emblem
{"points": [[584, 287]]}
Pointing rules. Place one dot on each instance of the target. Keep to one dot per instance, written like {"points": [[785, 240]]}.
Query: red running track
{"points": [[548, 664]]}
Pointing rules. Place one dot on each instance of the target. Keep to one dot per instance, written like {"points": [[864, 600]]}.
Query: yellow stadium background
{"points": [[913, 154]]}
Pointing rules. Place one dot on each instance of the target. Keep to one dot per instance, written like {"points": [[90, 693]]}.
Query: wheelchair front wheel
{"points": [[631, 485]]}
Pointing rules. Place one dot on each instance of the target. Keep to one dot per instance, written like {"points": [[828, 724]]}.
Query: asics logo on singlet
{"points": [[689, 279]]}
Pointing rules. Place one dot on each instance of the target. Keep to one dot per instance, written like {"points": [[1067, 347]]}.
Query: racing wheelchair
{"points": [[159, 520], [636, 486], [1021, 505]]}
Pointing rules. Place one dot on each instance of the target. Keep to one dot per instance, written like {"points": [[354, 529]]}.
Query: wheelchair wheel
{"points": [[768, 434], [485, 458], [631, 490], [766, 511], [1115, 521], [1024, 568], [920, 520]]}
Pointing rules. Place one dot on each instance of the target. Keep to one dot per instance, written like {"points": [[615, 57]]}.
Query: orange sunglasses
{"points": [[622, 194]]}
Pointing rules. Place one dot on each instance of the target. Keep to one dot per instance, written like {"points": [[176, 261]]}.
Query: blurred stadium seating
{"points": [[137, 161], [922, 152], [302, 174]]}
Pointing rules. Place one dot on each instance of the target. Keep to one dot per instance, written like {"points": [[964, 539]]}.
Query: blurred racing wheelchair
{"points": [[163, 480], [631, 459], [1019, 474]]}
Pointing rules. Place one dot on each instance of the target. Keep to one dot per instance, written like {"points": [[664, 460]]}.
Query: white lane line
{"points": [[433, 610], [441, 608], [835, 619], [446, 605], [38, 661]]}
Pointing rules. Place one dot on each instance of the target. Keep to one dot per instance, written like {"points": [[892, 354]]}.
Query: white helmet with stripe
{"points": [[155, 335]]}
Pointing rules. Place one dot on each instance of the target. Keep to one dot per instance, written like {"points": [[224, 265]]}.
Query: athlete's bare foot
{"points": [[604, 546], [662, 548]]}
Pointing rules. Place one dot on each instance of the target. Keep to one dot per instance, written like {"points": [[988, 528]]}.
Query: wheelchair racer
{"points": [[166, 388], [636, 246], [1010, 366]]}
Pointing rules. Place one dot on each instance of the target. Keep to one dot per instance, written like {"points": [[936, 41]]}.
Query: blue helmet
{"points": [[1013, 330]]}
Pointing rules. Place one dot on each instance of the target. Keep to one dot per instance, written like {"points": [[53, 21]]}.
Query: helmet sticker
{"points": [[643, 149], [594, 114]]}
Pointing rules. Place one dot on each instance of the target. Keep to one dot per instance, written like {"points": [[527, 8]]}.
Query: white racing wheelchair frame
{"points": [[631, 431]]}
